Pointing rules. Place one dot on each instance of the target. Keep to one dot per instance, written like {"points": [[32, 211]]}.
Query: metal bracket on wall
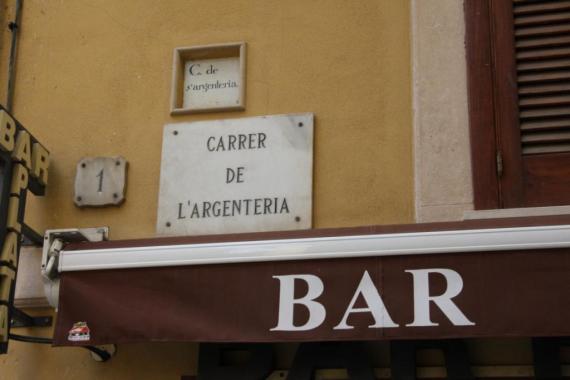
{"points": [[30, 237], [18, 318], [54, 241]]}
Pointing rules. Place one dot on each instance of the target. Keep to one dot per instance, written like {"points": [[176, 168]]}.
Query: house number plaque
{"points": [[100, 181]]}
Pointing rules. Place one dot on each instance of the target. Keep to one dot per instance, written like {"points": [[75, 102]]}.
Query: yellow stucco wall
{"points": [[94, 79]]}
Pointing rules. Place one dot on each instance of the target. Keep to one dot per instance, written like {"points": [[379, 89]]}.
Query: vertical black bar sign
{"points": [[24, 164]]}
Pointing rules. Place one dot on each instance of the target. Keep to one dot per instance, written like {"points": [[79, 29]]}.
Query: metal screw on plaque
{"points": [[175, 133], [297, 219], [167, 224], [79, 199], [115, 195], [83, 165], [300, 124], [117, 163]]}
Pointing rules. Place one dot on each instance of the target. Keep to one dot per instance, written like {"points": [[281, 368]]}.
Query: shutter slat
{"points": [[552, 76], [541, 54], [544, 89], [546, 42], [542, 46], [539, 31], [543, 125], [542, 149], [545, 101], [545, 113], [546, 138], [523, 8], [543, 65], [543, 19]]}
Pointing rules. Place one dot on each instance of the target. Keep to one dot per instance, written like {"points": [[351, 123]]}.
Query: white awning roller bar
{"points": [[413, 243]]}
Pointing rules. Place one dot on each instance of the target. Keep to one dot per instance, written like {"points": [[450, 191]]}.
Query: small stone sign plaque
{"points": [[209, 78], [240, 175], [100, 181]]}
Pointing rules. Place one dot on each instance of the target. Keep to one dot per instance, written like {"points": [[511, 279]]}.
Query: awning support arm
{"points": [[31, 237], [99, 354]]}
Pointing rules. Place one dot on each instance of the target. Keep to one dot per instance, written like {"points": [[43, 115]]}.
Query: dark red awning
{"points": [[470, 294]]}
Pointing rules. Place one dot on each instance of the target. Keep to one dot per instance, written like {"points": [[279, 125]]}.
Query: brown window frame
{"points": [[493, 109]]}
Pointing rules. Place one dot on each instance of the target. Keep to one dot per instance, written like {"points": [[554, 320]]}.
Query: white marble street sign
{"points": [[239, 175]]}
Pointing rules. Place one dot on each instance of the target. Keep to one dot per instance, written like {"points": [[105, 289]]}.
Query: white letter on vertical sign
{"points": [[375, 306], [287, 302], [444, 302]]}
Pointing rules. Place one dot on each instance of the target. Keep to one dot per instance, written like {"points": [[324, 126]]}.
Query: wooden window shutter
{"points": [[519, 87], [542, 41]]}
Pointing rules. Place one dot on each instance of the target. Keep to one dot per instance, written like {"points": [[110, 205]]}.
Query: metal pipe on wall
{"points": [[13, 26]]}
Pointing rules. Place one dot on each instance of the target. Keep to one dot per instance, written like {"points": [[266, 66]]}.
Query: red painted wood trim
{"points": [[506, 103]]}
